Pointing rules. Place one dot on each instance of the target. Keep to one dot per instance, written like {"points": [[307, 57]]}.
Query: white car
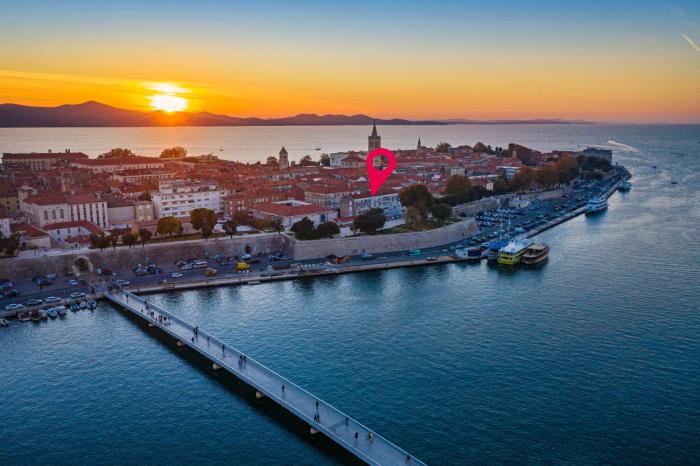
{"points": [[52, 299], [122, 282], [77, 294], [13, 307], [73, 282], [175, 275]]}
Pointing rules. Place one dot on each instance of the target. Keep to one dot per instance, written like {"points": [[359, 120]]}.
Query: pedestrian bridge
{"points": [[321, 416]]}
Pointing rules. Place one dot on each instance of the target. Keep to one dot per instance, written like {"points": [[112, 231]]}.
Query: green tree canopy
{"points": [[145, 235], [129, 239], [327, 230], [418, 197], [441, 211], [203, 217], [230, 227], [304, 229], [325, 160], [169, 226], [117, 153], [370, 221], [443, 147], [173, 152]]}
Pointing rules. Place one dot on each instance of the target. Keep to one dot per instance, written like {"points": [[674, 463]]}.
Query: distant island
{"points": [[97, 114]]}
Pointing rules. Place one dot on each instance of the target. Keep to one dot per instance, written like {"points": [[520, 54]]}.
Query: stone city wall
{"points": [[302, 250], [123, 258]]}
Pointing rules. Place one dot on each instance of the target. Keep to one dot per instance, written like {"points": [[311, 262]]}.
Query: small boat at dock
{"points": [[61, 310], [92, 304], [74, 307], [52, 312], [513, 252], [596, 204], [83, 305], [535, 254], [624, 186], [43, 314], [35, 315], [4, 322], [23, 316]]}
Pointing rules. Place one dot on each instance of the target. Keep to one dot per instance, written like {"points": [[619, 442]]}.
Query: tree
{"points": [[460, 188], [241, 217], [100, 241], [206, 232], [441, 211], [272, 160], [230, 227], [370, 221], [277, 225], [418, 197], [306, 161], [501, 185], [169, 226], [304, 229], [9, 245], [325, 160], [412, 216], [327, 230], [145, 235], [175, 152], [547, 177], [114, 240], [202, 217], [117, 153], [443, 147], [523, 180], [480, 147], [129, 239]]}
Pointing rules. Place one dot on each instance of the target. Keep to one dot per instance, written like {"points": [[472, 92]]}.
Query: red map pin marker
{"points": [[378, 177]]}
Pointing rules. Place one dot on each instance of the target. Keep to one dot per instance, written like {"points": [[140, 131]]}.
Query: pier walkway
{"points": [[321, 416]]}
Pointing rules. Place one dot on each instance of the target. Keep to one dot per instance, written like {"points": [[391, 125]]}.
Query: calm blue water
{"points": [[595, 358]]}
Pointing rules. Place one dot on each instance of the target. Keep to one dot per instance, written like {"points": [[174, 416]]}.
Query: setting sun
{"points": [[168, 102]]}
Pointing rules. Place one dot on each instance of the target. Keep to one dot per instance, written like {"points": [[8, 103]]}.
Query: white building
{"points": [[356, 204], [179, 198], [44, 209]]}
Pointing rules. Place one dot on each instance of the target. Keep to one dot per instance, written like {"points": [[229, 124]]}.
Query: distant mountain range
{"points": [[97, 114]]}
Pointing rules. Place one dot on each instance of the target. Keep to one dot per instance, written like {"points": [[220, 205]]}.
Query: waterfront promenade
{"points": [[321, 417]]}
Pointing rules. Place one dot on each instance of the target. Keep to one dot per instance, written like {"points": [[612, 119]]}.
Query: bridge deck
{"points": [[317, 413]]}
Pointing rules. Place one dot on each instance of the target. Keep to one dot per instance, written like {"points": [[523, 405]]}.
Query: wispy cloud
{"points": [[691, 42]]}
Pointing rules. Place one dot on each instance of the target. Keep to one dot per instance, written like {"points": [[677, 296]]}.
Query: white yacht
{"points": [[596, 204], [624, 185]]}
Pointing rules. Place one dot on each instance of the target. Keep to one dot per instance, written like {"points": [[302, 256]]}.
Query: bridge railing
{"points": [[282, 380]]}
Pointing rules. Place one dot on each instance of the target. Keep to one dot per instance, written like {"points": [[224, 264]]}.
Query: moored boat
{"points": [[596, 204], [74, 307], [43, 314], [92, 304], [23, 316], [83, 305], [512, 253], [35, 315], [493, 249], [61, 310], [4, 322], [624, 185], [535, 254], [52, 312]]}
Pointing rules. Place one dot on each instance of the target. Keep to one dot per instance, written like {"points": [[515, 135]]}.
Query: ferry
{"points": [[493, 249], [596, 204], [624, 185], [513, 252], [535, 254]]}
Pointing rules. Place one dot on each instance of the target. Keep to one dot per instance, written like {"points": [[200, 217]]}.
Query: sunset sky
{"points": [[605, 60]]}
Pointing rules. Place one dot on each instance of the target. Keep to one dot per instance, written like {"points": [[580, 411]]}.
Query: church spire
{"points": [[419, 144], [374, 128]]}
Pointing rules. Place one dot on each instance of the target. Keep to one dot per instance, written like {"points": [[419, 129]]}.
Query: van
{"points": [[414, 252]]}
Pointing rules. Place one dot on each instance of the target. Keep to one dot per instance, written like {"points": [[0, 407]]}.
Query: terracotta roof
{"points": [[91, 227], [123, 161], [45, 155], [29, 230], [52, 199], [285, 210]]}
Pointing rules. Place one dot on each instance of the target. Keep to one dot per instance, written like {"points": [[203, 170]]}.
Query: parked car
{"points": [[4, 284], [77, 294], [13, 307], [366, 256], [122, 282], [175, 275], [186, 267], [73, 282], [9, 293], [52, 299], [35, 302]]}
